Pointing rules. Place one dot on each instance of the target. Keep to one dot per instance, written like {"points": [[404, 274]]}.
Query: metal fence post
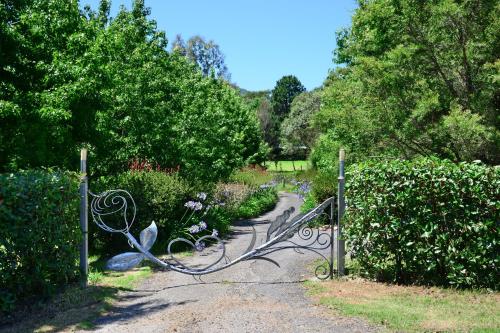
{"points": [[332, 239], [84, 266], [341, 209]]}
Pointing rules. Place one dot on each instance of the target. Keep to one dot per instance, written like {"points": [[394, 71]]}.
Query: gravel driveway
{"points": [[252, 296]]}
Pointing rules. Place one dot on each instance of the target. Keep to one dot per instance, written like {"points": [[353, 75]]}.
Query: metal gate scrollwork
{"points": [[285, 232]]}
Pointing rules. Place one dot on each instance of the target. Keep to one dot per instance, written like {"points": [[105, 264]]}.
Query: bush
{"points": [[324, 185], [159, 197], [39, 233], [426, 221], [258, 203]]}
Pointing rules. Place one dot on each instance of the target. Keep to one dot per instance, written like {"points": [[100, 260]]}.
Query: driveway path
{"points": [[252, 296]]}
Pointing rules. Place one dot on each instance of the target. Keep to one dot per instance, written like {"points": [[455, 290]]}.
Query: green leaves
{"points": [[425, 221], [419, 80], [39, 233], [85, 79]]}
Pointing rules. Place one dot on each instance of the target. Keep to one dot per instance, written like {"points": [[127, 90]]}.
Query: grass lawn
{"points": [[288, 165], [410, 308]]}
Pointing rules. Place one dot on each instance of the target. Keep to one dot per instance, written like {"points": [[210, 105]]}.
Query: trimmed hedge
{"points": [[426, 221], [158, 196], [39, 233]]}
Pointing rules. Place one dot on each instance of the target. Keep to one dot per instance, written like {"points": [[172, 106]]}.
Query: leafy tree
{"points": [[79, 78], [206, 54], [421, 79], [283, 94], [297, 134]]}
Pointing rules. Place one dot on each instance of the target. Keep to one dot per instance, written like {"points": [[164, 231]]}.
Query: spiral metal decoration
{"points": [[280, 236]]}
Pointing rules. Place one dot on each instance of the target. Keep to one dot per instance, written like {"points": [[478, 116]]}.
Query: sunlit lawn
{"points": [[288, 165], [411, 308]]}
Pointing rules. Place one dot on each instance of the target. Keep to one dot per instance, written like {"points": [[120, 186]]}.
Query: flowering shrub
{"points": [[196, 213], [301, 188], [145, 165]]}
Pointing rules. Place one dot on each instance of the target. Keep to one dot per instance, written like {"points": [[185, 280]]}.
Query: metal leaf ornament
{"points": [[128, 260]]}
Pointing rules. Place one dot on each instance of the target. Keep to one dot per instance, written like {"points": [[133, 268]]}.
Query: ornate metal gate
{"points": [[283, 233], [280, 234]]}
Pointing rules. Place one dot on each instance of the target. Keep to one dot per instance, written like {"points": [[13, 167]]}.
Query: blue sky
{"points": [[262, 40]]}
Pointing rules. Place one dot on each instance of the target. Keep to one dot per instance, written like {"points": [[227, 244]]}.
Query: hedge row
{"points": [[39, 234], [426, 221]]}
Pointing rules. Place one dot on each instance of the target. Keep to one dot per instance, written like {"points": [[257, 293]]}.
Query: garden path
{"points": [[253, 296]]}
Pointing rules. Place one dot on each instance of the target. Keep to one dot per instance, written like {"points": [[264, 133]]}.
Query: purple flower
{"points": [[202, 225], [202, 196], [195, 205], [194, 229], [200, 246], [190, 204], [215, 233]]}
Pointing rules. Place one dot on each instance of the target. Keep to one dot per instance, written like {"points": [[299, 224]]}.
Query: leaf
{"points": [[148, 236], [124, 261]]}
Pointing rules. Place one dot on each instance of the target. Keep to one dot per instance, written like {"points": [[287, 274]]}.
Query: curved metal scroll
{"points": [[109, 206]]}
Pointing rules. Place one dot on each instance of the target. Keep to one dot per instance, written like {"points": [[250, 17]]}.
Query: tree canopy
{"points": [[283, 94], [421, 78], [297, 134], [72, 78]]}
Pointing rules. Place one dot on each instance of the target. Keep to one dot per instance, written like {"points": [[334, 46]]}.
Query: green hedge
{"points": [[426, 221], [39, 234], [159, 197]]}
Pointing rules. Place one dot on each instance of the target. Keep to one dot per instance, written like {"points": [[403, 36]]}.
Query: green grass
{"points": [[411, 308], [286, 166], [75, 307]]}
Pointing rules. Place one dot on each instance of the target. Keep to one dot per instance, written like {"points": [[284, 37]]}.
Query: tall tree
{"points": [[421, 78], [207, 55], [283, 94], [297, 135]]}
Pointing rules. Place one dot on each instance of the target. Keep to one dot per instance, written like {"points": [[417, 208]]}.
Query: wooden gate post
{"points": [[84, 265], [341, 209]]}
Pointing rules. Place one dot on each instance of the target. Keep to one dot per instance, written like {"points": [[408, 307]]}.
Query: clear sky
{"points": [[262, 40]]}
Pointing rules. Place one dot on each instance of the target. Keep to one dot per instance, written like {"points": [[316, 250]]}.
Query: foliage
{"points": [[80, 78], [297, 134], [251, 177], [206, 55], [158, 197], [259, 202], [421, 78], [324, 185], [426, 221], [286, 89], [39, 233]]}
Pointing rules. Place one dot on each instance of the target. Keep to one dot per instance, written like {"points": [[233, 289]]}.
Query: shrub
{"points": [[159, 197], [425, 221], [324, 185], [258, 203], [39, 233]]}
